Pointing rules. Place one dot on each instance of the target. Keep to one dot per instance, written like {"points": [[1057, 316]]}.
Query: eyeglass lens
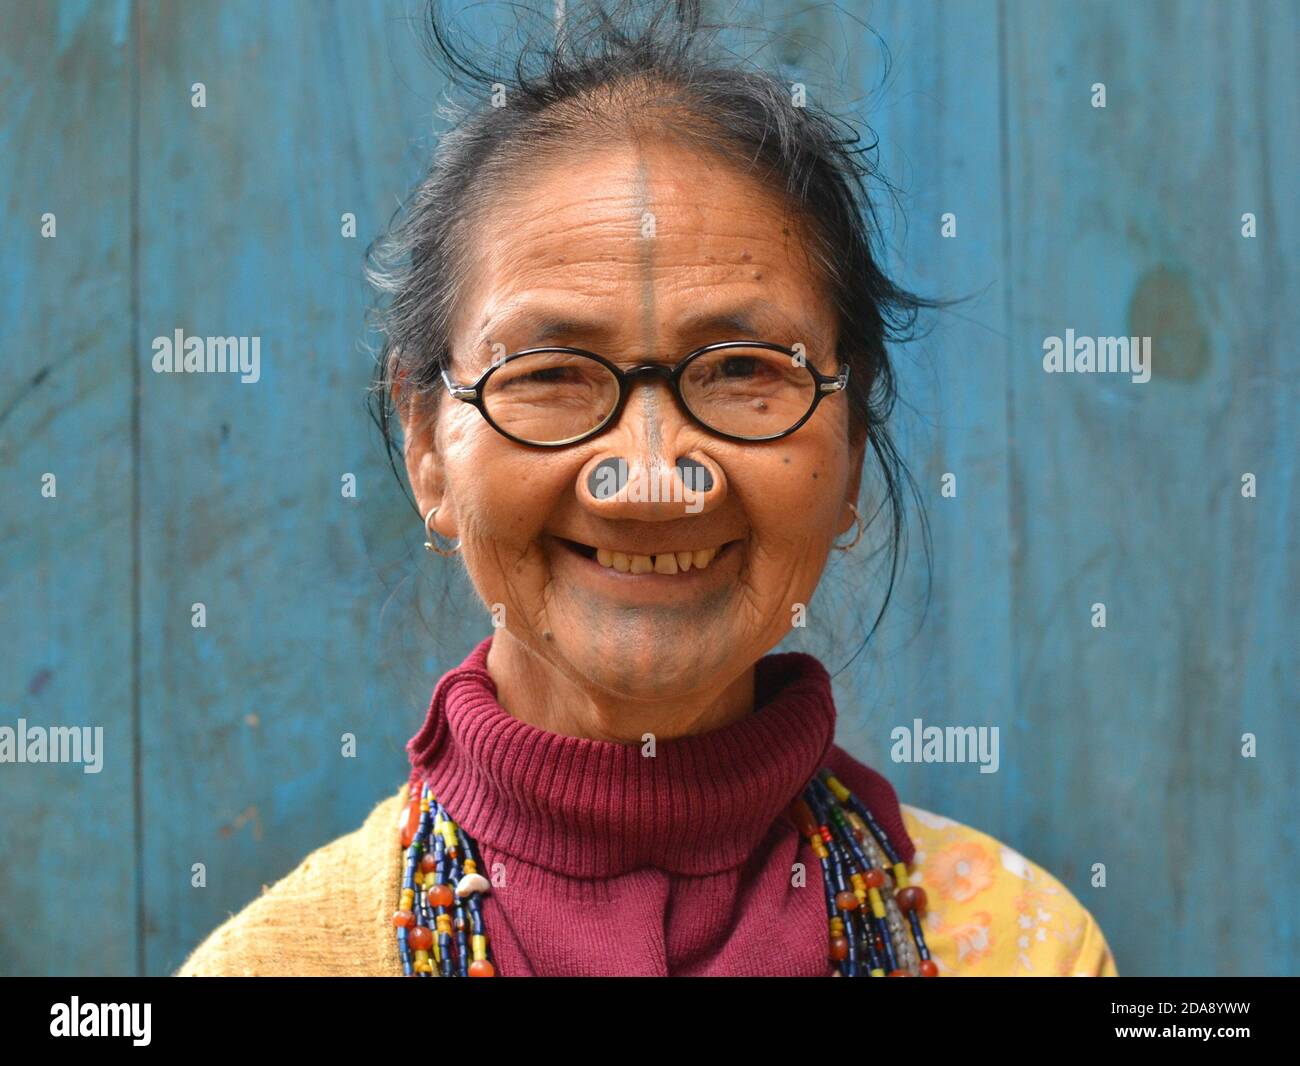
{"points": [[552, 397]]}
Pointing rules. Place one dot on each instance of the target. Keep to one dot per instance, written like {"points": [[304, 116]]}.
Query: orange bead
{"points": [[482, 968], [802, 816], [412, 823], [899, 973], [928, 968], [419, 938], [403, 918], [441, 895], [911, 898], [846, 901], [839, 948], [429, 863], [874, 878]]}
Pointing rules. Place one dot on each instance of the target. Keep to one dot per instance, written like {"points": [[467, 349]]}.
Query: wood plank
{"points": [[67, 836], [309, 114], [1126, 221]]}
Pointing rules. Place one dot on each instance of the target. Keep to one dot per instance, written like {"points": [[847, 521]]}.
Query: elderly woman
{"points": [[636, 345]]}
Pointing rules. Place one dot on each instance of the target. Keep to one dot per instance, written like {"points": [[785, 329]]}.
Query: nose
{"points": [[647, 468]]}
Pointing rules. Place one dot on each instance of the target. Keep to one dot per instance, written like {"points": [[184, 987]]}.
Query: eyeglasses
{"points": [[740, 390]]}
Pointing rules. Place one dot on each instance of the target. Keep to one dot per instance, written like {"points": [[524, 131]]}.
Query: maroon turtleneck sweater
{"points": [[615, 863]]}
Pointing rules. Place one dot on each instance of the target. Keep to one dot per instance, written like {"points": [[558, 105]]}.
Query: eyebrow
{"points": [[752, 321]]}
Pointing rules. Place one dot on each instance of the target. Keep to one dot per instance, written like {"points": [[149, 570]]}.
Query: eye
{"points": [[549, 374], [737, 366], [746, 368]]}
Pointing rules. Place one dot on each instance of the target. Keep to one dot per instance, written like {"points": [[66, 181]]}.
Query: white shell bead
{"points": [[471, 883]]}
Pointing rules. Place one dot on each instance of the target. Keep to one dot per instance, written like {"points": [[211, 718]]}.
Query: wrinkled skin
{"points": [[586, 651]]}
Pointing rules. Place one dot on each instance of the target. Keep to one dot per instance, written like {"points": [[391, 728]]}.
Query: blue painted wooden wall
{"points": [[222, 745]]}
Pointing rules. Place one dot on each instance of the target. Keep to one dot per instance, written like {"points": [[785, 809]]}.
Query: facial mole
{"points": [[786, 459], [546, 635], [814, 475], [745, 257]]}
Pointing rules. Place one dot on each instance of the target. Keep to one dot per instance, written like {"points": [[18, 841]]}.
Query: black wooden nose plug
{"points": [[607, 478], [695, 475]]}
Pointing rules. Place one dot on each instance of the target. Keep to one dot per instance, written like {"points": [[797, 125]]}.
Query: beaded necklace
{"points": [[870, 905]]}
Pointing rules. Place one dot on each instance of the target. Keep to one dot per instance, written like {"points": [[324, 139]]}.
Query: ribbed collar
{"points": [[592, 808]]}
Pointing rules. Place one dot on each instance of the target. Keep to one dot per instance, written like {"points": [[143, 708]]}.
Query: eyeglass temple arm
{"points": [[460, 392], [835, 384]]}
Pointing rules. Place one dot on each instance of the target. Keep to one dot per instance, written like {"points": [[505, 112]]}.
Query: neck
{"points": [[535, 691]]}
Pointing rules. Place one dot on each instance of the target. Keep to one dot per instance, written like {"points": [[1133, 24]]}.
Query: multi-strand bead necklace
{"points": [[874, 914]]}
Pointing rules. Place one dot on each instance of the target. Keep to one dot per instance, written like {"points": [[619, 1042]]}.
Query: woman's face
{"points": [[641, 254]]}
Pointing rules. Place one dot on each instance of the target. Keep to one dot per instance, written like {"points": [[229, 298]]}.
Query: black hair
{"points": [[624, 69]]}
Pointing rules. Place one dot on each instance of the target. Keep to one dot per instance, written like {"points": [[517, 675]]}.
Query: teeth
{"points": [[664, 563]]}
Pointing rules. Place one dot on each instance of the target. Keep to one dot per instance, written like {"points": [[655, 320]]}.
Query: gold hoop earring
{"points": [[861, 526], [430, 544]]}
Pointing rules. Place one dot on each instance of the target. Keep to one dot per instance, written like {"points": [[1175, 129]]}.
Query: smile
{"points": [[666, 562]]}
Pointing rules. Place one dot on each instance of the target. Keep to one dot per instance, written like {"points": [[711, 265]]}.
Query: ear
{"points": [[857, 455], [423, 458]]}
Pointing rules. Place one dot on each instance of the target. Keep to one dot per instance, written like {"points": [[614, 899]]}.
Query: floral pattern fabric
{"points": [[990, 912]]}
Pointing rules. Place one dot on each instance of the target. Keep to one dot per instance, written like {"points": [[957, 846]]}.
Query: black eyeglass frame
{"points": [[473, 394]]}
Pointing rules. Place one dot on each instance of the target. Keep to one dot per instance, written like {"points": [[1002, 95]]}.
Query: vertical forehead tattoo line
{"points": [[647, 228]]}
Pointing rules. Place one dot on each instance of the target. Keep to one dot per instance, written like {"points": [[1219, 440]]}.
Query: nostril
{"points": [[607, 478], [695, 475]]}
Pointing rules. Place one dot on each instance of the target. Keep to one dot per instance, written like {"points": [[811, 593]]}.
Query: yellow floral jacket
{"points": [[992, 912]]}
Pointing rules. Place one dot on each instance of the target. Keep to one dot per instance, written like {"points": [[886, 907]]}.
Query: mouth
{"points": [[665, 562]]}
